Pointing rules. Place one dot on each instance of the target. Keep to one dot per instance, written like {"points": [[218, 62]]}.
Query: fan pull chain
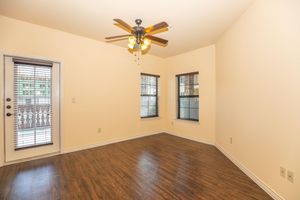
{"points": [[137, 57]]}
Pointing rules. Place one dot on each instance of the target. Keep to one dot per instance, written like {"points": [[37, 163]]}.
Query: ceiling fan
{"points": [[140, 38]]}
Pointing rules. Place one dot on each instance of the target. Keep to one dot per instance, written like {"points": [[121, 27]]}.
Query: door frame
{"points": [[2, 109]]}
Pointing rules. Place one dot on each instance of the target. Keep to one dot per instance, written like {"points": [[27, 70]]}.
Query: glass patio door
{"points": [[31, 108]]}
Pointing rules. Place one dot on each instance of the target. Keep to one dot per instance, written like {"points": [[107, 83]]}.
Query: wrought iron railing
{"points": [[29, 116]]}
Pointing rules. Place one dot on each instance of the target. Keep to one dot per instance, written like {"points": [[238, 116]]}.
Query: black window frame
{"points": [[186, 96], [150, 95]]}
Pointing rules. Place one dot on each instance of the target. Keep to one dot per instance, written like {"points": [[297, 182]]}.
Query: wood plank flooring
{"points": [[151, 168]]}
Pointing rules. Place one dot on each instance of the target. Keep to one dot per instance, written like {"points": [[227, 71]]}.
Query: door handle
{"points": [[8, 114]]}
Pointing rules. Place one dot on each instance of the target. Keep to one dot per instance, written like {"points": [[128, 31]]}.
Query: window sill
{"points": [[150, 117], [188, 121]]}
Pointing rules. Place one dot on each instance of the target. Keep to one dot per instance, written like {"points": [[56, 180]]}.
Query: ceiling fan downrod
{"points": [[139, 31]]}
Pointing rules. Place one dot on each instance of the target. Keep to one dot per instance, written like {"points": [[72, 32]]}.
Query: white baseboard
{"points": [[251, 175], [190, 138], [89, 146]]}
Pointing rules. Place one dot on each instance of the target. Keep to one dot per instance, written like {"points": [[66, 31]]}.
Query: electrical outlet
{"points": [[172, 123], [282, 172], [230, 140], [73, 100], [99, 130], [290, 176]]}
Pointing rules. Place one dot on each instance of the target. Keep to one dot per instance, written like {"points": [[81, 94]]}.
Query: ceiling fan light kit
{"points": [[140, 38]]}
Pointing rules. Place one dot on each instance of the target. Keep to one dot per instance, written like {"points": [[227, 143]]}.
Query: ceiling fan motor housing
{"points": [[138, 32]]}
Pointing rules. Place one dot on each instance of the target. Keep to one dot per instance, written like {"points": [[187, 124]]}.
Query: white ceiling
{"points": [[193, 23]]}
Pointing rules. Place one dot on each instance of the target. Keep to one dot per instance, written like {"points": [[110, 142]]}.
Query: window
{"points": [[188, 96], [149, 95]]}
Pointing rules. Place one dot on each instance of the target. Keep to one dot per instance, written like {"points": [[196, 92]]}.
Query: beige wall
{"points": [[203, 61], [258, 92], [103, 78]]}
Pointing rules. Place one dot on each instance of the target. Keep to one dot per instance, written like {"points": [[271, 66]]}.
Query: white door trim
{"points": [[2, 110], [2, 129]]}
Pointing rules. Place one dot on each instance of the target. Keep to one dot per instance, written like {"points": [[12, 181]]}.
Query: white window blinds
{"points": [[32, 104]]}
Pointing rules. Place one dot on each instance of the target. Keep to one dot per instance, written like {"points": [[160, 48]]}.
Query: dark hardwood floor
{"points": [[150, 168]]}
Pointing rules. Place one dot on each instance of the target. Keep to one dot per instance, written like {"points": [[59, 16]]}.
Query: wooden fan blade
{"points": [[158, 31], [122, 27], [116, 40], [155, 27], [124, 24], [157, 40], [117, 36]]}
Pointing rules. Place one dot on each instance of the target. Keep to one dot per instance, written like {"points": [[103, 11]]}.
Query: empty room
{"points": [[150, 100]]}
